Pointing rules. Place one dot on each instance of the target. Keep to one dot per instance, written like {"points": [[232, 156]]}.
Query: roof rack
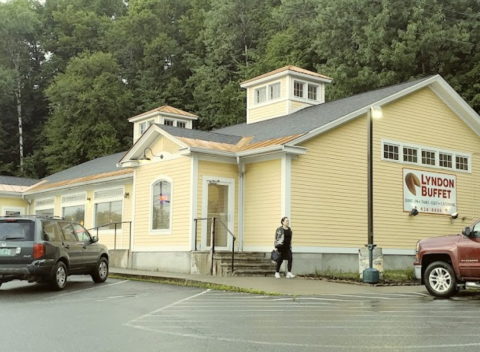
{"points": [[34, 216]]}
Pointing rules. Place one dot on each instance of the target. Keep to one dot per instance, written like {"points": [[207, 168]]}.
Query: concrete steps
{"points": [[245, 264]]}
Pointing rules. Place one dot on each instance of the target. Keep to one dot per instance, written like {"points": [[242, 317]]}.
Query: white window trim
{"points": [[8, 208], [255, 94], [150, 212], [317, 88], [188, 123], [44, 207], [147, 123], [268, 100], [419, 148], [304, 97], [107, 200]]}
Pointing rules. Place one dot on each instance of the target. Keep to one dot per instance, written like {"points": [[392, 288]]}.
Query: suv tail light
{"points": [[38, 250]]}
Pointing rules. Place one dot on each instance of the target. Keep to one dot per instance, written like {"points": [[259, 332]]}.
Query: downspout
{"points": [[29, 203], [241, 194]]}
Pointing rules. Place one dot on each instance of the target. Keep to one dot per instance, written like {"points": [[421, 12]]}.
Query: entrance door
{"points": [[218, 202]]}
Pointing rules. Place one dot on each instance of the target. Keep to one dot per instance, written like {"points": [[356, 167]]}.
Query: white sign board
{"points": [[429, 192]]}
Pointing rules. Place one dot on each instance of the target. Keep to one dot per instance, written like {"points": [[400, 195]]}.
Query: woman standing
{"points": [[283, 244]]}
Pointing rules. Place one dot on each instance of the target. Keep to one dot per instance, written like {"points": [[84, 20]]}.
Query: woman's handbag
{"points": [[275, 256]]}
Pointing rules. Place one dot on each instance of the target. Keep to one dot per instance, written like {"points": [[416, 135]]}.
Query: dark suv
{"points": [[48, 250]]}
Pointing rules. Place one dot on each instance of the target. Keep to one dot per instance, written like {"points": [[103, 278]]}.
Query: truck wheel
{"points": [[59, 278], [440, 280]]}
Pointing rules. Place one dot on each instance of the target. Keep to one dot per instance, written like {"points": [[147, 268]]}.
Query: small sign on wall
{"points": [[429, 192]]}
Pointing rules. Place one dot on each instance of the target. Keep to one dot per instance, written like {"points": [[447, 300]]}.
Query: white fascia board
{"points": [[81, 184], [265, 79], [145, 141], [457, 104], [178, 116], [189, 150], [10, 195], [305, 77], [361, 111], [144, 117], [131, 163], [276, 148]]}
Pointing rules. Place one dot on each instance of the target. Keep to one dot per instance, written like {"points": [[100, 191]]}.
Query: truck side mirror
{"points": [[467, 231]]}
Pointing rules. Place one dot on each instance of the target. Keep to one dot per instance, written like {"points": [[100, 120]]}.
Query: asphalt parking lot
{"points": [[123, 315]]}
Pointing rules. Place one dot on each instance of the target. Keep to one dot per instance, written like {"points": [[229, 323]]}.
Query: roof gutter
{"points": [[86, 183]]}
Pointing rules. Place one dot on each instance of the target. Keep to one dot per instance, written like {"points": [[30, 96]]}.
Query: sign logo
{"points": [[429, 192]]}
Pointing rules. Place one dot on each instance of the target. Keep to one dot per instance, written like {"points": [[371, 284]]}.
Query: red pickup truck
{"points": [[449, 263]]}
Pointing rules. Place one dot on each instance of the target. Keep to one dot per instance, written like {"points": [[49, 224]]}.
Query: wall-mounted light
{"points": [[454, 215], [413, 212], [89, 199], [126, 195], [145, 158]]}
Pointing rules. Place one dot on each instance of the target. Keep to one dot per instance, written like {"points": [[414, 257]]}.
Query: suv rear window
{"points": [[16, 230]]}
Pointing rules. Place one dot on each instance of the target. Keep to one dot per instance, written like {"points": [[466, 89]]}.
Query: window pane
{"points": [[51, 231], [445, 160], [298, 89], [390, 151], [68, 231], [275, 91], [108, 213], [181, 124], [161, 206], [168, 123], [142, 126], [410, 155], [44, 212], [428, 158], [461, 163], [21, 229], [312, 92], [74, 213], [81, 233], [260, 95]]}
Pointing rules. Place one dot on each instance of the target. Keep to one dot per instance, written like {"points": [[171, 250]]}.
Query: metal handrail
{"points": [[212, 240], [115, 232]]}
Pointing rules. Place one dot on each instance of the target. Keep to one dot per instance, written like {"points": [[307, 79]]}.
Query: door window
{"points": [[51, 231], [68, 232], [81, 233]]}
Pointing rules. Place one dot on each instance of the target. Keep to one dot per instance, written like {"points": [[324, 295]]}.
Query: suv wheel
{"points": [[59, 279], [440, 280], [100, 272]]}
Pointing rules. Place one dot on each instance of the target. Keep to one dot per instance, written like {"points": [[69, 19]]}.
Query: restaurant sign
{"points": [[429, 192]]}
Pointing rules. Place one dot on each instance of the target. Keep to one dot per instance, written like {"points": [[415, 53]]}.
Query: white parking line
{"points": [[87, 289]]}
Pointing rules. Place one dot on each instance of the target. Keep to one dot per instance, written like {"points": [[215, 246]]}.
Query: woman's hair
{"points": [[283, 219]]}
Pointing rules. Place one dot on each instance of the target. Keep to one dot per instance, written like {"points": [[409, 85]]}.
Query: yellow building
{"points": [[296, 156], [11, 195]]}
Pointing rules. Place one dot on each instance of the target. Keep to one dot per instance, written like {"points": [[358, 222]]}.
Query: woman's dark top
{"points": [[287, 237]]}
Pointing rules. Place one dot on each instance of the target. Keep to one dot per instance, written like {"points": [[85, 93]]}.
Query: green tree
{"points": [[90, 105], [19, 32]]}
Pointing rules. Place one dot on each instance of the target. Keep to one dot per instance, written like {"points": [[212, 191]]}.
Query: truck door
{"points": [[468, 249]]}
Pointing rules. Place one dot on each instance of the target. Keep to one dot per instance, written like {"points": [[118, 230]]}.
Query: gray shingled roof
{"points": [[17, 181], [313, 117], [202, 135], [93, 167]]}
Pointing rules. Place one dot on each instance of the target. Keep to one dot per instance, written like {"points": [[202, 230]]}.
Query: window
{"points": [[428, 158], [461, 163], [410, 155], [168, 122], [51, 231], [161, 205], [22, 230], [445, 160], [81, 233], [312, 92], [68, 232], [260, 95], [44, 212], [108, 213], [390, 151], [275, 91], [298, 89], [74, 213], [181, 124], [142, 126]]}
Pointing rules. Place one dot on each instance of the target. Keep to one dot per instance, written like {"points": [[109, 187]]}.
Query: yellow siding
{"points": [[13, 202], [425, 120], [329, 195], [297, 105], [170, 146], [262, 202], [223, 170], [267, 111], [329, 183], [179, 171], [163, 144]]}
